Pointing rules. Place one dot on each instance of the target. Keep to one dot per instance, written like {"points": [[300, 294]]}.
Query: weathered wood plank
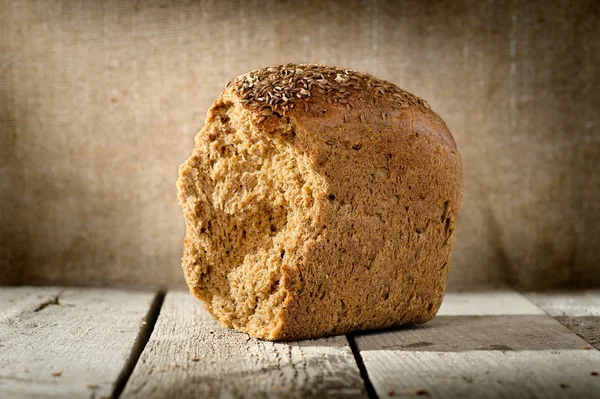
{"points": [[501, 302], [505, 354], [579, 311], [475, 333], [587, 328], [484, 374], [572, 304], [190, 355], [67, 343], [15, 301]]}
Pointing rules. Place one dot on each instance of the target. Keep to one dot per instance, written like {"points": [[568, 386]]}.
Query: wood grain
{"points": [[487, 303], [579, 311], [18, 300], [67, 343], [190, 355], [475, 333], [484, 374], [501, 354], [568, 303]]}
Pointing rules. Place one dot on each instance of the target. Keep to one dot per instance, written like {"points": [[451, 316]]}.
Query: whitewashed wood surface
{"points": [[484, 374], [189, 355], [578, 310], [505, 350], [498, 302], [67, 343], [572, 304], [15, 301]]}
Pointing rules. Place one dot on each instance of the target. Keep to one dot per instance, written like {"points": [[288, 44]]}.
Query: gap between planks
{"points": [[140, 344], [70, 342], [371, 393], [486, 312], [486, 344], [190, 355], [290, 366], [577, 310]]}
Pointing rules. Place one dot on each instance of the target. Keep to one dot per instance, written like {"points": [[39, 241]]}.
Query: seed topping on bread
{"points": [[275, 90]]}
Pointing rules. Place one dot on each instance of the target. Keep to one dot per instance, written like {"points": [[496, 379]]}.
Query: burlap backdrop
{"points": [[99, 103]]}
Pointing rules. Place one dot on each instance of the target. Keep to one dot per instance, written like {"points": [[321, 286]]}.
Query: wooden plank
{"points": [[499, 355], [67, 343], [501, 302], [476, 333], [587, 327], [15, 301], [579, 311], [484, 374], [572, 304], [190, 355]]}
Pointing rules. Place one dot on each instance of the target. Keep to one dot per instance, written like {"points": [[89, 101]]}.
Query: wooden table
{"points": [[88, 342]]}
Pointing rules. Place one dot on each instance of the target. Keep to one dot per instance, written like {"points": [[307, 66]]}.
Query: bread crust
{"points": [[377, 253]]}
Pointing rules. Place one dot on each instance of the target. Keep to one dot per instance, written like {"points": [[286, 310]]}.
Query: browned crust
{"points": [[279, 89]]}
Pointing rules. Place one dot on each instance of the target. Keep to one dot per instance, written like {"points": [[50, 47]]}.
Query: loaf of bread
{"points": [[318, 201]]}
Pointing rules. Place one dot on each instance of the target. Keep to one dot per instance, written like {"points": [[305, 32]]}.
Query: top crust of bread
{"points": [[316, 90]]}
